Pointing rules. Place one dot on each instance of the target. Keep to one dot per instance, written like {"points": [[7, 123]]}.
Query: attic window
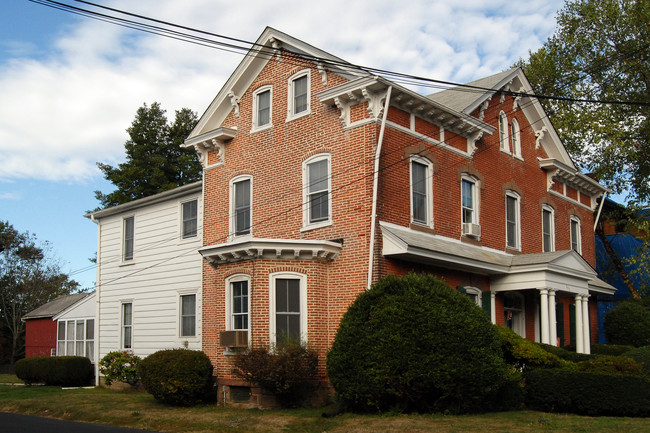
{"points": [[262, 109]]}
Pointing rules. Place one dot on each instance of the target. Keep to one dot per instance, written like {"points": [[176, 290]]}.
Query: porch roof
{"points": [[560, 270]]}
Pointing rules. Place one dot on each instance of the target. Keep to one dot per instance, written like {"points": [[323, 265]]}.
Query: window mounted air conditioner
{"points": [[233, 338], [471, 229]]}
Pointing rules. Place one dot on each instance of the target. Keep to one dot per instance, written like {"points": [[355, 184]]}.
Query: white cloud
{"points": [[62, 113]]}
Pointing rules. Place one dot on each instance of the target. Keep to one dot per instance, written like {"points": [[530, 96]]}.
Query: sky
{"points": [[70, 85]]}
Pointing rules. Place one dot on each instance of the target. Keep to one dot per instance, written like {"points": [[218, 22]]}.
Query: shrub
{"points": [[414, 344], [610, 349], [179, 377], [559, 390], [524, 354], [120, 367], [57, 370], [567, 355], [629, 324], [607, 364], [642, 356], [288, 371]]}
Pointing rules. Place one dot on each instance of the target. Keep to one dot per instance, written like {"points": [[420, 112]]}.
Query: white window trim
{"points": [[255, 127], [474, 291], [180, 315], [232, 223], [517, 198], [429, 189], [182, 216], [123, 237], [303, 303], [306, 224], [475, 198], [291, 95], [123, 326], [516, 138], [504, 139], [578, 233], [546, 208], [234, 279], [74, 341]]}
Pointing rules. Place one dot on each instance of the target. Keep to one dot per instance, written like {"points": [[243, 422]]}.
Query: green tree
{"points": [[29, 278], [600, 51], [155, 160]]}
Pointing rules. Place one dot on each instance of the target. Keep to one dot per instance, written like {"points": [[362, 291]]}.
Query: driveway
{"points": [[18, 423]]}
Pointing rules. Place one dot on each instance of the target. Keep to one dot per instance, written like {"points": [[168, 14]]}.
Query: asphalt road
{"points": [[17, 423]]}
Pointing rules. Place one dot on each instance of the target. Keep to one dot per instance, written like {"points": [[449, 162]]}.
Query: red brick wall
{"points": [[40, 337]]}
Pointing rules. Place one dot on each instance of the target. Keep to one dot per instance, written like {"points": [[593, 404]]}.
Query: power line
{"points": [[254, 49]]}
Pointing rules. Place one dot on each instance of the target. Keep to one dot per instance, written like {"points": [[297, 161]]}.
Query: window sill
{"points": [[298, 116], [261, 128], [422, 227], [317, 225], [471, 240], [513, 250], [129, 263]]}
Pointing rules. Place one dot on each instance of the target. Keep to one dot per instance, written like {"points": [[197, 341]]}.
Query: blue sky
{"points": [[70, 86]]}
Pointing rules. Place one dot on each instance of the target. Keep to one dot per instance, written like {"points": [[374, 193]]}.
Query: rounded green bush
{"points": [[120, 366], [179, 377], [414, 344], [642, 356], [628, 324]]}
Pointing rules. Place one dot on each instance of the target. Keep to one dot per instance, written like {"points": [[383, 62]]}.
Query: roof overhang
{"points": [[572, 177], [560, 270], [276, 249], [360, 89]]}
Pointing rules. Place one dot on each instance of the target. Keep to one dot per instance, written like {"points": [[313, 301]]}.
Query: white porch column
{"points": [[543, 293], [585, 324], [579, 325], [493, 307], [551, 317]]}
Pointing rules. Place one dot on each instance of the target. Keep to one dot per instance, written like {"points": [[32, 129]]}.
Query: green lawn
{"points": [[140, 410]]}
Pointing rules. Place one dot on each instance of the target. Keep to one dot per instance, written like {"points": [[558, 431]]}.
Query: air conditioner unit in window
{"points": [[470, 229], [233, 338]]}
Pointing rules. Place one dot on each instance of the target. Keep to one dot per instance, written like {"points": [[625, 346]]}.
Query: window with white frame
{"points": [[76, 338], [127, 325], [421, 191], [128, 238], [513, 218], [299, 95], [188, 315], [240, 204], [576, 242], [288, 301], [469, 206], [472, 293], [516, 138], [262, 108], [190, 211], [503, 132], [317, 190], [238, 303], [548, 229]]}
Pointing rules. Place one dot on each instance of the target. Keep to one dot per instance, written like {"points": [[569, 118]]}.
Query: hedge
{"points": [[565, 391], [57, 370], [642, 356], [179, 377]]}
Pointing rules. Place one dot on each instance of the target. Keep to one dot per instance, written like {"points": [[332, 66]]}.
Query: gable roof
{"points": [[461, 97], [56, 306]]}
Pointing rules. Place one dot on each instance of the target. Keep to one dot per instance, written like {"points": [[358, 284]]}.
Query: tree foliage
{"points": [[629, 324], [600, 51], [29, 278], [155, 160]]}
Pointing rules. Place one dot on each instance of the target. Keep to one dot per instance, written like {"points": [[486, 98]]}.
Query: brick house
{"points": [[320, 178]]}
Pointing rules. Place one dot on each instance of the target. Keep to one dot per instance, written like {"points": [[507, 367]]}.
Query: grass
{"points": [[9, 378], [140, 410]]}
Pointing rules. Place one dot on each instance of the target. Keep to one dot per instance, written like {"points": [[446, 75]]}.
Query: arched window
{"points": [[516, 138], [503, 132]]}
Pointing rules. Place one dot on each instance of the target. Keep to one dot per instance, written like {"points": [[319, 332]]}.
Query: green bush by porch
{"points": [[414, 344]]}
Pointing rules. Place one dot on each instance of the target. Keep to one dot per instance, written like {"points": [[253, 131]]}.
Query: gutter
{"points": [[375, 188]]}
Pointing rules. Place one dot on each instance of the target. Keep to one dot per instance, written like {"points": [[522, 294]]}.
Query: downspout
{"points": [[375, 187], [97, 300]]}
